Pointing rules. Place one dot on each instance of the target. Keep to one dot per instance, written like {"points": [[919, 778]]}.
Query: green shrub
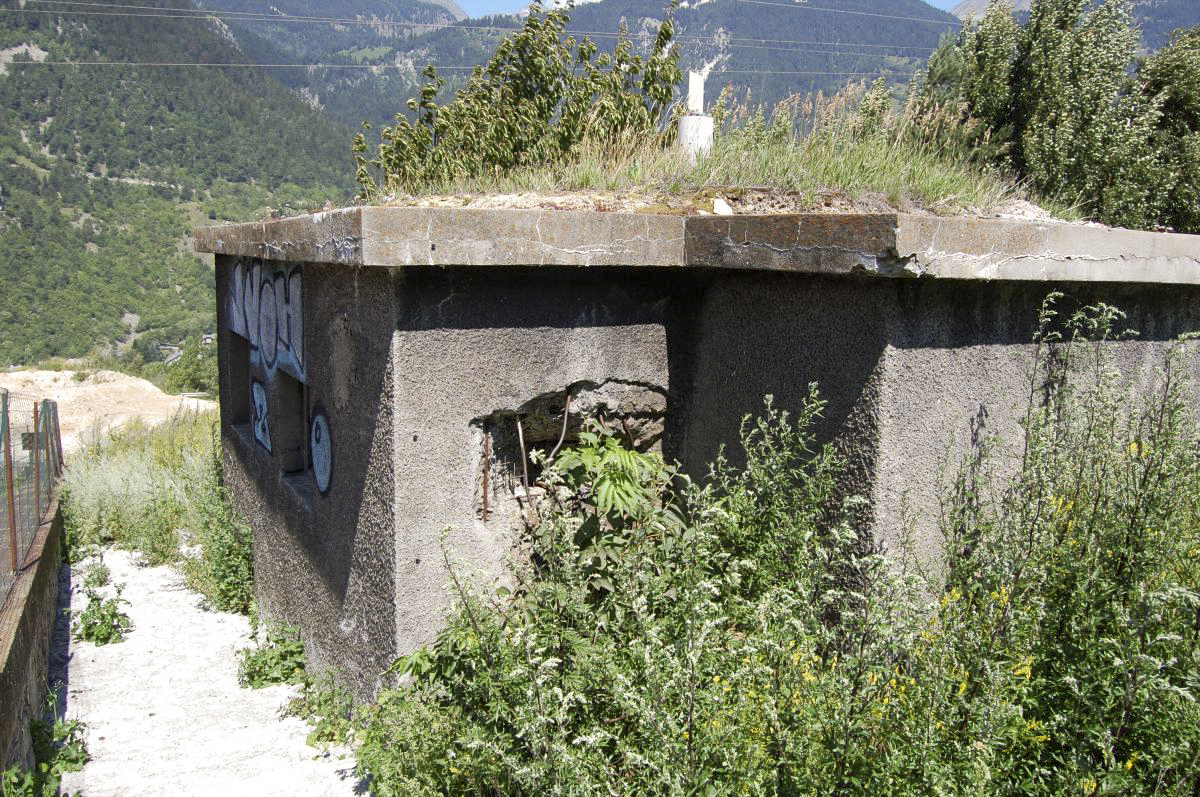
{"points": [[739, 637], [1063, 113], [152, 489], [58, 747], [102, 622], [277, 659], [224, 572], [328, 709], [539, 97]]}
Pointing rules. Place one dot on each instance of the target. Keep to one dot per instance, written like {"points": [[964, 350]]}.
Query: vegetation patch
{"points": [[102, 622], [159, 490], [738, 637], [58, 747], [277, 657]]}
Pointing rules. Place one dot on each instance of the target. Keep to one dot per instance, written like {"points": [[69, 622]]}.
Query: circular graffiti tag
{"points": [[321, 446]]}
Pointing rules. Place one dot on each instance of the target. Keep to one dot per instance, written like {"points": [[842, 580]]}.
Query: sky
{"points": [[478, 8]]}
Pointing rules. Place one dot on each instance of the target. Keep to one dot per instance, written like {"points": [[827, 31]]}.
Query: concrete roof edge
{"points": [[879, 244], [961, 247], [333, 236]]}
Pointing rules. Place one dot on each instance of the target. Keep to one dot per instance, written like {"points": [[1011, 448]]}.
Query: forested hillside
{"points": [[370, 32], [764, 50], [104, 169]]}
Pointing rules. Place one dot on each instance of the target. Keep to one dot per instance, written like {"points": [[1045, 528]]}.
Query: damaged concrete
{"points": [[375, 363]]}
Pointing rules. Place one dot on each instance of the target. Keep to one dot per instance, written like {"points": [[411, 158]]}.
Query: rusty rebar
{"points": [[487, 467], [524, 458], [563, 436]]}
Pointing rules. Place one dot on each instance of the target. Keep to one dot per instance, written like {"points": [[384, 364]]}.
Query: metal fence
{"points": [[31, 452]]}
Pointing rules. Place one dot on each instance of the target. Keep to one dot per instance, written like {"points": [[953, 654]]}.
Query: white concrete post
{"points": [[695, 128]]}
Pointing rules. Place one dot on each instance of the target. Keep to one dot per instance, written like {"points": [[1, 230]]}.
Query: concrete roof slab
{"points": [[885, 244]]}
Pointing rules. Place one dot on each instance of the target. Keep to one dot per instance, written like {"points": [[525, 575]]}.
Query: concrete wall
{"points": [[26, 623], [916, 372], [322, 558], [375, 365]]}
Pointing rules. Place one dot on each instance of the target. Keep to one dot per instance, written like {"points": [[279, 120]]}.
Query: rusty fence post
{"points": [[37, 467], [58, 440], [8, 478]]}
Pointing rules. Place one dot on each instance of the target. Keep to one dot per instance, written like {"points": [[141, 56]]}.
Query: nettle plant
{"points": [[538, 98]]}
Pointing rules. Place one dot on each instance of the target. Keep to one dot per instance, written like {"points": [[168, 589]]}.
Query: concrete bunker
{"points": [[375, 361]]}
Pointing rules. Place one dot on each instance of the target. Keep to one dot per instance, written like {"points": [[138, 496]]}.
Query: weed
{"points": [[328, 709], [151, 488], [277, 659], [58, 747], [740, 637], [96, 575], [102, 622]]}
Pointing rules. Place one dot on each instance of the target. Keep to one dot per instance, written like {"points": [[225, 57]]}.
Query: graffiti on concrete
{"points": [[260, 416], [320, 446], [265, 305]]}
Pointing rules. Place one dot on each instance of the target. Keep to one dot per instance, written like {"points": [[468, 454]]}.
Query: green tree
{"points": [[1058, 98], [535, 101]]}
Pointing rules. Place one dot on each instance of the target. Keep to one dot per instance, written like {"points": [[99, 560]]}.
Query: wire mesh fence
{"points": [[30, 464]]}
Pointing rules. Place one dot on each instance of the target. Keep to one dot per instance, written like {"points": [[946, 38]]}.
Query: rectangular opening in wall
{"points": [[236, 389], [290, 424]]}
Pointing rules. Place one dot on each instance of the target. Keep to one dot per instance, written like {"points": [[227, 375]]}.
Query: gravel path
{"points": [[164, 711]]}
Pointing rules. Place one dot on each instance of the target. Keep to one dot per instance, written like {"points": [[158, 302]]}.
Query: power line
{"points": [[247, 16], [807, 7], [135, 64]]}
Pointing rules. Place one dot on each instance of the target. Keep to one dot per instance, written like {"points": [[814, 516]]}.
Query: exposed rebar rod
{"points": [[487, 466], [563, 436], [524, 458]]}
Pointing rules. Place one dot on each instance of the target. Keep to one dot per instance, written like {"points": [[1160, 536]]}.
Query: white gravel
{"points": [[163, 709]]}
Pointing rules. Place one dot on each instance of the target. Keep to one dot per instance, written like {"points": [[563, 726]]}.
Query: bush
{"points": [[1057, 98], [58, 747], [539, 97], [739, 638], [102, 622]]}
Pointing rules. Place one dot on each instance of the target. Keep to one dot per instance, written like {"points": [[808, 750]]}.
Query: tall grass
{"points": [[158, 490], [850, 144]]}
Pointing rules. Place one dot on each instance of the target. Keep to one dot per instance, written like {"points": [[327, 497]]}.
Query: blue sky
{"points": [[477, 8]]}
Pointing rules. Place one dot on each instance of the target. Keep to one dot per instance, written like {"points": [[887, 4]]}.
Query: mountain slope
{"points": [[378, 30], [103, 170]]}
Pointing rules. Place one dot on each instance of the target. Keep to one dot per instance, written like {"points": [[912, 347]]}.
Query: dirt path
{"points": [[89, 407], [164, 711]]}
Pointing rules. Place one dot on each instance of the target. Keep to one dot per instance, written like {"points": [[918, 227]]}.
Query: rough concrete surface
{"points": [[164, 711], [878, 244]]}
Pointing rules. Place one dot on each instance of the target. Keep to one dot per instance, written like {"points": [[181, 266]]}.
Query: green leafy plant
{"points": [[276, 657], [328, 709], [58, 747], [102, 622], [96, 575], [538, 98]]}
